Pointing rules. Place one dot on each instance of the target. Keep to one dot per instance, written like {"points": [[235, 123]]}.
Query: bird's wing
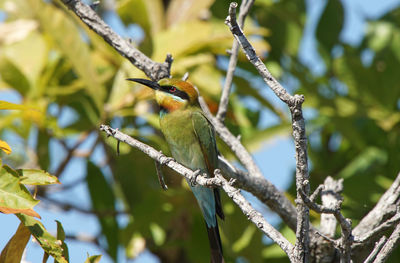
{"points": [[206, 136]]}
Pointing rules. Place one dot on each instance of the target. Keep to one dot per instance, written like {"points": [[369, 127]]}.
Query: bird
{"points": [[191, 140]]}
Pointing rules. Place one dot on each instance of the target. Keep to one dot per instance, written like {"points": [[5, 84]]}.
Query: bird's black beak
{"points": [[151, 84]]}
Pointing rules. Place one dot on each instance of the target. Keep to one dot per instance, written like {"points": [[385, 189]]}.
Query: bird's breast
{"points": [[178, 131]]}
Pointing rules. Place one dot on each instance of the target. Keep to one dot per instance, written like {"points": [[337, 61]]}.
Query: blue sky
{"points": [[279, 152]]}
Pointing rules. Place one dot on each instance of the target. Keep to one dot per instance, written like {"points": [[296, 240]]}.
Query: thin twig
{"points": [[153, 70], [385, 208], [378, 230], [346, 236], [300, 140], [256, 217], [69, 206], [223, 104], [389, 246], [375, 251], [70, 153]]}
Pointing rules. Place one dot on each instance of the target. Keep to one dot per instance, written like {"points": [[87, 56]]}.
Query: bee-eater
{"points": [[191, 140]]}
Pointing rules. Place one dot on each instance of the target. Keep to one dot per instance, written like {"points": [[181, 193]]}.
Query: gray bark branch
{"points": [[226, 90], [218, 181], [295, 105]]}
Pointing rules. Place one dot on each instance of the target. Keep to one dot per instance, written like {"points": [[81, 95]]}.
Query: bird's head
{"points": [[172, 94]]}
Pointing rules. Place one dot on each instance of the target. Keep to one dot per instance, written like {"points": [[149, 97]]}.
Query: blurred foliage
{"points": [[16, 199], [56, 64]]}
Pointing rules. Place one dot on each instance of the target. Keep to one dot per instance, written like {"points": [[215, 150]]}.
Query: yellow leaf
{"points": [[5, 147]]}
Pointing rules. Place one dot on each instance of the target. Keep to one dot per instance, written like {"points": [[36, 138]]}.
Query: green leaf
{"points": [[367, 158], [14, 197], [13, 76], [330, 25], [12, 252], [149, 14], [32, 50], [61, 236], [93, 259], [49, 243], [36, 177], [103, 199]]}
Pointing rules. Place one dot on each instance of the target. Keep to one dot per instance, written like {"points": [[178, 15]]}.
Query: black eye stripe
{"points": [[173, 90]]}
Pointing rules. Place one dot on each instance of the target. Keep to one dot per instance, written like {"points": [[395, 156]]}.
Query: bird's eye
{"points": [[172, 89]]}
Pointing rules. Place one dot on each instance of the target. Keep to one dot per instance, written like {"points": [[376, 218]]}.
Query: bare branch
{"points": [[379, 230], [300, 140], [223, 104], [218, 180], [375, 251], [69, 206], [153, 70], [385, 208], [389, 246], [334, 208], [255, 216], [83, 136], [330, 198]]}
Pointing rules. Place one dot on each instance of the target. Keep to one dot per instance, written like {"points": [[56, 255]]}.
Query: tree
{"points": [[353, 132]]}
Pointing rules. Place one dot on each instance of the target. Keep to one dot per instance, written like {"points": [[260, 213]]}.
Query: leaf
{"points": [[362, 162], [30, 113], [14, 197], [24, 54], [5, 105], [183, 10], [49, 243], [149, 14], [61, 236], [13, 76], [330, 25], [103, 199], [5, 147], [12, 252], [93, 259], [36, 177]]}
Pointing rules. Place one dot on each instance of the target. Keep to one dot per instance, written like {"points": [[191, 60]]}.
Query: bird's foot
{"points": [[164, 159], [192, 180]]}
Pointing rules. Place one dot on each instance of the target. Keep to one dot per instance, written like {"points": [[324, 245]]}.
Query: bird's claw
{"points": [[193, 178], [164, 159]]}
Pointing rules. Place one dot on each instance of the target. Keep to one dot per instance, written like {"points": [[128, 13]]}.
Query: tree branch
{"points": [[153, 70], [375, 251], [254, 216], [384, 209], [295, 105], [223, 104], [389, 246]]}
